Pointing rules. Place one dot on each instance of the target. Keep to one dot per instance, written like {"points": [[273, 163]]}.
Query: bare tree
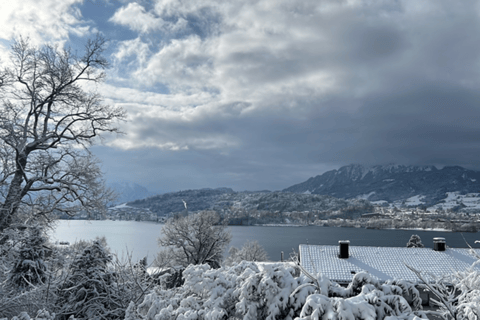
{"points": [[195, 239], [48, 119], [250, 251]]}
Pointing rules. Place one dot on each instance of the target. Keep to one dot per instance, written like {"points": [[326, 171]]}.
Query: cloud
{"points": [[41, 20], [135, 17], [306, 84]]}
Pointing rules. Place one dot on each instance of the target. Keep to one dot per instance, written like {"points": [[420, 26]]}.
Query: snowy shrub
{"points": [[41, 315], [319, 306], [467, 285], [206, 294], [132, 281], [266, 293], [456, 296], [364, 298], [271, 291]]}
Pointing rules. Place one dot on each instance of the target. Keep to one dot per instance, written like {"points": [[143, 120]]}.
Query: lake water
{"points": [[140, 238]]}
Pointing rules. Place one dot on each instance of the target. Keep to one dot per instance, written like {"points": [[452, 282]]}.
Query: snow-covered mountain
{"points": [[128, 191], [392, 183]]}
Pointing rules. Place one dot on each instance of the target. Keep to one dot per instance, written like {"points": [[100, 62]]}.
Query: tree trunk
{"points": [[14, 195]]}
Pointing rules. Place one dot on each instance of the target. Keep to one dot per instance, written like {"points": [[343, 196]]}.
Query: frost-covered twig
{"points": [[442, 300]]}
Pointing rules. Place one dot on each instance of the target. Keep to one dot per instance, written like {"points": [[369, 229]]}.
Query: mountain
{"points": [[225, 199], [392, 183], [128, 191]]}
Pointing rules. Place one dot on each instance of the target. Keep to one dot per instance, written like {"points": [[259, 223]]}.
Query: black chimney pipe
{"points": [[343, 244], [439, 244]]}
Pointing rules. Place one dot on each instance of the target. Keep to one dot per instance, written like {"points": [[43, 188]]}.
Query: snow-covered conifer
{"points": [[90, 289], [415, 242], [30, 268]]}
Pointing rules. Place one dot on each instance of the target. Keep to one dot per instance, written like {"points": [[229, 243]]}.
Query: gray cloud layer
{"points": [[286, 90], [264, 94]]}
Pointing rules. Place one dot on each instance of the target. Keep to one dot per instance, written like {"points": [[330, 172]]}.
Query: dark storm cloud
{"points": [[264, 98], [436, 123]]}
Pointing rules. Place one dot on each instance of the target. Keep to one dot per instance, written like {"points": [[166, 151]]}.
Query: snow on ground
{"points": [[366, 196], [379, 202], [453, 199], [415, 200], [120, 206], [410, 202]]}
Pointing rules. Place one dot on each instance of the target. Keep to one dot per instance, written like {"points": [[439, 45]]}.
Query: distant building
{"points": [[340, 263]]}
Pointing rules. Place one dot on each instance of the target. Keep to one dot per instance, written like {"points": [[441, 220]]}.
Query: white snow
{"points": [[453, 199], [120, 206], [379, 202], [414, 201], [366, 196]]}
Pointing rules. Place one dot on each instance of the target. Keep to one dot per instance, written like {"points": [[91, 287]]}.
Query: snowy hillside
{"points": [[226, 199], [392, 183]]}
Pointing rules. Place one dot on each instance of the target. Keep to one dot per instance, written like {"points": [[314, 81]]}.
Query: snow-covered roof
{"points": [[384, 263]]}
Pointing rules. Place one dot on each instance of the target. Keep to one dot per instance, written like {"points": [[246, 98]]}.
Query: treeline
{"points": [[391, 222]]}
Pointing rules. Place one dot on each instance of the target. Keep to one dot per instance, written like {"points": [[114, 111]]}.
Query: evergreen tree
{"points": [[90, 289], [30, 269], [415, 242]]}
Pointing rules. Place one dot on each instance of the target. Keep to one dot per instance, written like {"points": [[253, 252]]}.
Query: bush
{"points": [[274, 291]]}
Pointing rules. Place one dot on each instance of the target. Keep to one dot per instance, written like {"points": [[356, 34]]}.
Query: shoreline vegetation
{"points": [[413, 223]]}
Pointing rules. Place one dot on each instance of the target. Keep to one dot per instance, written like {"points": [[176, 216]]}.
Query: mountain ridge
{"points": [[127, 191], [391, 182]]}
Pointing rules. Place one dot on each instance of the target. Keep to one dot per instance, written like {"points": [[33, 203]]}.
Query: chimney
{"points": [[439, 244], [343, 244]]}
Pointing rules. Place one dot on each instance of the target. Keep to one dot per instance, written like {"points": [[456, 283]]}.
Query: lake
{"points": [[140, 238]]}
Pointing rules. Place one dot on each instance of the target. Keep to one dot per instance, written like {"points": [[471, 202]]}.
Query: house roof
{"points": [[384, 263]]}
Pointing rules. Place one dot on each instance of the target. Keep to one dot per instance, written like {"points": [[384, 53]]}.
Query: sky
{"points": [[263, 94]]}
